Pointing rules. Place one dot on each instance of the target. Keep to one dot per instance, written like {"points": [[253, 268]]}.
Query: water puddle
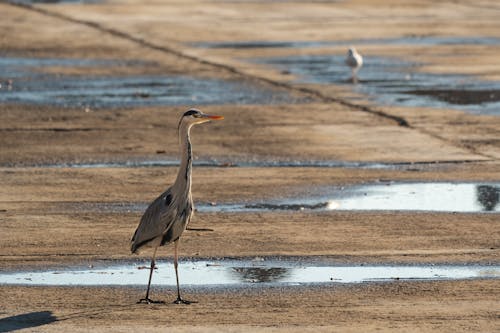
{"points": [[408, 40], [242, 273], [54, 1], [392, 81], [22, 80], [256, 44], [438, 197], [232, 163], [250, 163]]}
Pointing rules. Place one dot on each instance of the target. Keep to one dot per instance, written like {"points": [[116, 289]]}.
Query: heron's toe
{"points": [[183, 301], [149, 301]]}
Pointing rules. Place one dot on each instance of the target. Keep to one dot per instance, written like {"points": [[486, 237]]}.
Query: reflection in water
{"points": [[488, 196], [261, 274]]}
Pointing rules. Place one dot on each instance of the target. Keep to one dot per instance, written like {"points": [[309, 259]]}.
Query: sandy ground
{"points": [[45, 220], [400, 306]]}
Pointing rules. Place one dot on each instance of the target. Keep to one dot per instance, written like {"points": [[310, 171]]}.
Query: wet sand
{"points": [[399, 306], [44, 222]]}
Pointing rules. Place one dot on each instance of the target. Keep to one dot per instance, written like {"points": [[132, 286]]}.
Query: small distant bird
{"points": [[168, 215], [354, 60]]}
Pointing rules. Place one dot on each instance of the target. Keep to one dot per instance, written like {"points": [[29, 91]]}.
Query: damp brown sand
{"points": [[293, 132], [345, 237], [340, 308]]}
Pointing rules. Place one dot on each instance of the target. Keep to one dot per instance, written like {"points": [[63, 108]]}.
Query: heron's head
{"points": [[194, 116]]}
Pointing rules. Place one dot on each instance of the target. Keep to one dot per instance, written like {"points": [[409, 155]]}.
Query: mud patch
{"points": [[460, 97]]}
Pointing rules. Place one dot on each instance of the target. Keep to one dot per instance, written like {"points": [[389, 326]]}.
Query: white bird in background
{"points": [[354, 60]]}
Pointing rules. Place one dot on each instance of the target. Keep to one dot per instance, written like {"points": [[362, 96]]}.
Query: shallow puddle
{"points": [[55, 1], [409, 40], [22, 80], [392, 81], [252, 163], [233, 163], [256, 44], [246, 272], [440, 197]]}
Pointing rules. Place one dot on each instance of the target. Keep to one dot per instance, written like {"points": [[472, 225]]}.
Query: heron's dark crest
{"points": [[190, 113]]}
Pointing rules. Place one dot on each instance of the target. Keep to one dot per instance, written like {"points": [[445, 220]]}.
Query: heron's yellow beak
{"points": [[214, 117]]}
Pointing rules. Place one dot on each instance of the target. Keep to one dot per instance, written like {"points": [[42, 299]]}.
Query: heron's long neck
{"points": [[183, 180]]}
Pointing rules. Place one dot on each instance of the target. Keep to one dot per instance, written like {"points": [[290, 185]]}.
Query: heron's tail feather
{"points": [[134, 246]]}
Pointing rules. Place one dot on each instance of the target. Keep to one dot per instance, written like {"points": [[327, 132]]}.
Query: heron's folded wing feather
{"points": [[157, 219]]}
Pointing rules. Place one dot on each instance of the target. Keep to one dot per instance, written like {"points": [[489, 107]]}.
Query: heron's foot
{"points": [[149, 301], [183, 301]]}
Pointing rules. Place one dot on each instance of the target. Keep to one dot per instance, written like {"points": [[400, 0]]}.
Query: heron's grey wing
{"points": [[156, 220]]}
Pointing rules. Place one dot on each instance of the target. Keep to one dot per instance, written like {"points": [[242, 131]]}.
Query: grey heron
{"points": [[354, 60], [168, 215]]}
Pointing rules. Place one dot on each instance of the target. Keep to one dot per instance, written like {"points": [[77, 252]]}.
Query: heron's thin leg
{"points": [[179, 300], [147, 299], [354, 75]]}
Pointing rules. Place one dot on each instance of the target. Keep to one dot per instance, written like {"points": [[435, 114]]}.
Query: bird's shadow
{"points": [[26, 320], [40, 318]]}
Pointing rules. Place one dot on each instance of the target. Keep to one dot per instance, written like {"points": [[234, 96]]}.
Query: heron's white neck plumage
{"points": [[183, 181]]}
